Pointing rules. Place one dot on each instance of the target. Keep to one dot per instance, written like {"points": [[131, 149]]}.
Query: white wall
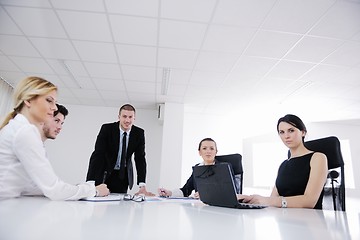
{"points": [[172, 145]]}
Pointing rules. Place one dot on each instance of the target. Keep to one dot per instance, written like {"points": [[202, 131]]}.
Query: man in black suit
{"points": [[110, 163]]}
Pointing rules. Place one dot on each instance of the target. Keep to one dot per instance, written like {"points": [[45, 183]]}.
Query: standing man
{"points": [[52, 128], [111, 163]]}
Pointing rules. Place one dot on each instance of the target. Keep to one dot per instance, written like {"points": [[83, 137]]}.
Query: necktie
{"points": [[123, 156]]}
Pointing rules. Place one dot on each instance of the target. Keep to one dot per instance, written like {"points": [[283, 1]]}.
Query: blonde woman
{"points": [[24, 167]]}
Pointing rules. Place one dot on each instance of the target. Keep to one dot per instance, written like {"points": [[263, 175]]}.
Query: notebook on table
{"points": [[216, 187]]}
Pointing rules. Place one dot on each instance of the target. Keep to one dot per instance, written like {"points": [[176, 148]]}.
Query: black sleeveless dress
{"points": [[293, 175]]}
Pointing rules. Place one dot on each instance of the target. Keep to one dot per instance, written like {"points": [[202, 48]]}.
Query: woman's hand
{"points": [[253, 199], [102, 190], [143, 191], [164, 192], [196, 195]]}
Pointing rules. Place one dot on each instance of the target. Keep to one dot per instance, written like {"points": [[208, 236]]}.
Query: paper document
{"points": [[110, 197]]}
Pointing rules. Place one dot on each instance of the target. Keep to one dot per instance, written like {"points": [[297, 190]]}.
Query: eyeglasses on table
{"points": [[135, 198]]}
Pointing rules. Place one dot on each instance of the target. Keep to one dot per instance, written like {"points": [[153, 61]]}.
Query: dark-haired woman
{"points": [[301, 178], [207, 150]]}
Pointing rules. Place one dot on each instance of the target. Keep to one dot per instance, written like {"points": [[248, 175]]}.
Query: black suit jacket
{"points": [[107, 148]]}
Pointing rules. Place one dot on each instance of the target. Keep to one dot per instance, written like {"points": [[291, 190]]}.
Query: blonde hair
{"points": [[28, 89]]}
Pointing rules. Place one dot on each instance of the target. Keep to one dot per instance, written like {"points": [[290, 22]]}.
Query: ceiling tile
{"points": [[351, 76], [118, 95], [173, 58], [27, 3], [176, 34], [85, 82], [142, 74], [176, 90], [57, 66], [91, 101], [17, 46], [7, 65], [12, 77], [217, 62], [172, 99], [228, 39], [141, 98], [290, 69], [75, 68], [68, 82], [7, 26], [147, 8], [103, 70], [324, 73], [134, 30], [288, 16], [136, 55], [207, 79], [242, 13], [356, 37], [341, 21], [140, 87], [271, 44], [189, 10], [64, 93], [58, 81], [96, 51], [347, 55], [240, 84], [55, 48], [32, 65], [37, 27], [313, 49], [353, 93], [326, 89], [253, 66], [199, 92], [83, 5], [109, 84], [86, 25], [278, 86], [177, 76], [85, 94]]}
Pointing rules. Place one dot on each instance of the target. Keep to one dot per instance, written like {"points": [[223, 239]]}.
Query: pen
{"points": [[104, 179]]}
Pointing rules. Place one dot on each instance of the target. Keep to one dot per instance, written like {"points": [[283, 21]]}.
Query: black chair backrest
{"points": [[330, 146], [235, 161]]}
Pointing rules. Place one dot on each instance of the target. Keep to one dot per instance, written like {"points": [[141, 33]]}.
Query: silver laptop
{"points": [[216, 187]]}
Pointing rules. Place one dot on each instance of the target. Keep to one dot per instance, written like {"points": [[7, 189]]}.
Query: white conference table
{"points": [[38, 218]]}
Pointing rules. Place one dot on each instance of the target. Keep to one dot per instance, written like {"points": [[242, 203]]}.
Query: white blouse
{"points": [[25, 169]]}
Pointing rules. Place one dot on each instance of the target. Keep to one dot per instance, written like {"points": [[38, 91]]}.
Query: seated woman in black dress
{"points": [[207, 150], [301, 178]]}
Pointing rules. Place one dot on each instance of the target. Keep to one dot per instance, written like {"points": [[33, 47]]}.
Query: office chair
{"points": [[334, 189], [235, 160]]}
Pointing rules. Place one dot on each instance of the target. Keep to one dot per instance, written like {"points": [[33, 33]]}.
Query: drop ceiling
{"points": [[300, 56]]}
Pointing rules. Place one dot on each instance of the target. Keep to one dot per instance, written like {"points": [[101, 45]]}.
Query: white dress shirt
{"points": [[25, 169]]}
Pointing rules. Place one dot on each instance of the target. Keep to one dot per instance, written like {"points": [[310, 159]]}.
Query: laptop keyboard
{"points": [[250, 206]]}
